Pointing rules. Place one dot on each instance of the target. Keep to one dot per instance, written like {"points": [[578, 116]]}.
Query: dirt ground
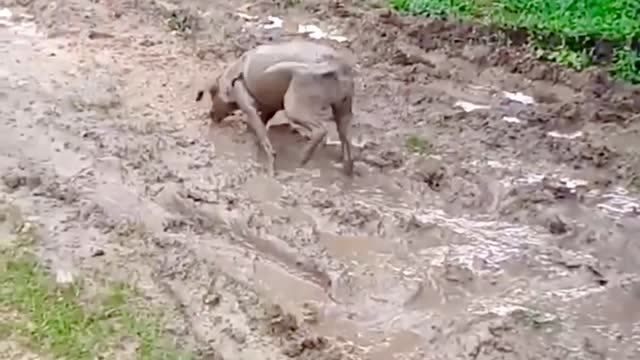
{"points": [[509, 237]]}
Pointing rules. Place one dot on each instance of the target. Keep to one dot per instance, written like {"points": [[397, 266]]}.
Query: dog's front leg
{"points": [[247, 104]]}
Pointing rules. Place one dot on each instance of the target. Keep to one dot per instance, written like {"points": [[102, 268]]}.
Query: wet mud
{"points": [[510, 234]]}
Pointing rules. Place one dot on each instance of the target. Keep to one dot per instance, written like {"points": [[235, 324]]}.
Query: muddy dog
{"points": [[300, 78]]}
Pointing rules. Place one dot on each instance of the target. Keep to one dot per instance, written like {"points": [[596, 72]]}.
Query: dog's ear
{"points": [[232, 72], [211, 87]]}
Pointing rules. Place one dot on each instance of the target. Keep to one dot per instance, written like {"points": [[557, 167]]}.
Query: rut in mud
{"points": [[491, 216]]}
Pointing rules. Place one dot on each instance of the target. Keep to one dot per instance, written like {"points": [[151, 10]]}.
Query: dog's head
{"points": [[221, 106]]}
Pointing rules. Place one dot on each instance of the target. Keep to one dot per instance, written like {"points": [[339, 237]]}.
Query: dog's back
{"points": [[269, 88]]}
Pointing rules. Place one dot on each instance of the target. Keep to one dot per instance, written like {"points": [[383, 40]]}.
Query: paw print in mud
{"points": [[385, 159], [596, 155], [431, 172], [600, 156]]}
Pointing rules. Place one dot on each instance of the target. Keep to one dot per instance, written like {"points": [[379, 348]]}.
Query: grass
{"points": [[181, 23], [417, 145], [63, 322], [571, 32]]}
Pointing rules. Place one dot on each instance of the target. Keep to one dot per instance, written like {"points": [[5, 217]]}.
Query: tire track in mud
{"points": [[110, 199], [196, 228]]}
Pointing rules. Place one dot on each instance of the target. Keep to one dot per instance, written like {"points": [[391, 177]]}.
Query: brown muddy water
{"points": [[512, 235]]}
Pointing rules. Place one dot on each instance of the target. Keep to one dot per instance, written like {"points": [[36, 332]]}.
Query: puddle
{"points": [[354, 247], [264, 189], [397, 345], [389, 292], [492, 241], [618, 203], [21, 28], [615, 204], [286, 288], [287, 144]]}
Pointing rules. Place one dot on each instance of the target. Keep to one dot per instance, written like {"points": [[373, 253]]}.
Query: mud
{"points": [[511, 237]]}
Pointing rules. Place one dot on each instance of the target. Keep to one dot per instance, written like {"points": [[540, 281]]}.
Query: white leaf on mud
{"points": [[574, 183], [556, 134], [505, 309], [519, 97], [496, 164], [276, 22], [354, 143], [315, 32], [5, 13], [511, 119], [533, 178], [246, 16], [5, 17], [338, 38], [64, 277], [469, 107]]}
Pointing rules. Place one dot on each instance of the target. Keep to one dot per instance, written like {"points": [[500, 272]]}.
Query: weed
{"points": [[566, 32], [417, 145], [181, 22], [292, 3], [536, 319]]}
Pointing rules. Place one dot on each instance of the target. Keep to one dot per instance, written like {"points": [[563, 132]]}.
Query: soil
{"points": [[511, 238]]}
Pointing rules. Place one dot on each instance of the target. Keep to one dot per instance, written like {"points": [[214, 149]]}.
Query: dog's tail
{"points": [[322, 68]]}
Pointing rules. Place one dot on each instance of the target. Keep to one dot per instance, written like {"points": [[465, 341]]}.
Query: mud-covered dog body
{"points": [[299, 77]]}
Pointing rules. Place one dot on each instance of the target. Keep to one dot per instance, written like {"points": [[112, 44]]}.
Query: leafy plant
{"points": [[563, 31], [417, 145]]}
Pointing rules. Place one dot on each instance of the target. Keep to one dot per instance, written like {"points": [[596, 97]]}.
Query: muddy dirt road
{"points": [[492, 216]]}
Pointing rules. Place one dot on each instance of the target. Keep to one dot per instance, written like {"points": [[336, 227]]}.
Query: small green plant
{"points": [[417, 145], [292, 3], [536, 319], [577, 60], [181, 22], [626, 65]]}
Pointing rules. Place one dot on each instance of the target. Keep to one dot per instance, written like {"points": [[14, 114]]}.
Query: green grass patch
{"points": [[57, 320], [575, 33], [417, 145]]}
